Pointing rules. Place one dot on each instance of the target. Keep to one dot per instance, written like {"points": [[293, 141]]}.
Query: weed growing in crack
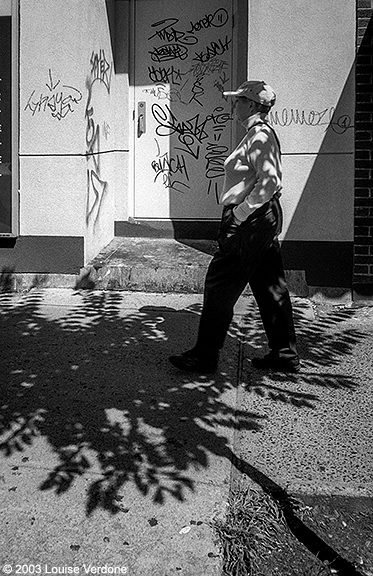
{"points": [[250, 528]]}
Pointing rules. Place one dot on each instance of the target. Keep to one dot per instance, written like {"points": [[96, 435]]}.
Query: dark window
{"points": [[5, 126]]}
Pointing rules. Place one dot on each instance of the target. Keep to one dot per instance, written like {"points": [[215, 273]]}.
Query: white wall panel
{"points": [[305, 51], [53, 201]]}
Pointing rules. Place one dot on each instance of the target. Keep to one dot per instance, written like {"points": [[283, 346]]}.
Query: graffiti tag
{"points": [[96, 184], [313, 118], [60, 99]]}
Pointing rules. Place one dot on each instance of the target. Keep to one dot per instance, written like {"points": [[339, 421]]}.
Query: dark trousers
{"points": [[249, 255]]}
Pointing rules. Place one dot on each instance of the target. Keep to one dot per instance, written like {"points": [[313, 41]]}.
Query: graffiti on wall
{"points": [[187, 67], [101, 69], [192, 134], [326, 117], [169, 167], [59, 100], [100, 74], [179, 45]]}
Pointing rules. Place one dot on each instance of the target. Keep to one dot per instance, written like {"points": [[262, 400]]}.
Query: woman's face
{"points": [[243, 108]]}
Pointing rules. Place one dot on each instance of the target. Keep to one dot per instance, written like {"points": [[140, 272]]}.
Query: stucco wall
{"points": [[73, 119], [74, 116], [305, 51]]}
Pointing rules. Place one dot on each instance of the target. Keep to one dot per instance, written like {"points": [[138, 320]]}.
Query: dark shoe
{"points": [[270, 362], [191, 361]]}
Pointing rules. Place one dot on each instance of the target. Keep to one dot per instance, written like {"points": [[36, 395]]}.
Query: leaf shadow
{"points": [[96, 384]]}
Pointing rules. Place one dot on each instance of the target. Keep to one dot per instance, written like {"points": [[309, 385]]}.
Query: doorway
{"points": [[183, 61]]}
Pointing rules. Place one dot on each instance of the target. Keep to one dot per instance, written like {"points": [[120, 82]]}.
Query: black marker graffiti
{"points": [[201, 69], [215, 157], [215, 160], [218, 19], [169, 52], [219, 118], [341, 124], [191, 134], [216, 153], [58, 102], [197, 92], [168, 166], [163, 92], [178, 40], [168, 75], [168, 123], [214, 49], [220, 84], [168, 33], [178, 43], [186, 86], [326, 117]]}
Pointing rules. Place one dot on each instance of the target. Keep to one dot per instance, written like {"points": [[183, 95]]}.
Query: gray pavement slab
{"points": [[316, 432], [108, 454]]}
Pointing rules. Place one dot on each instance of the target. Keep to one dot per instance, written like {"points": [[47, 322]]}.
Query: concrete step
{"points": [[160, 265]]}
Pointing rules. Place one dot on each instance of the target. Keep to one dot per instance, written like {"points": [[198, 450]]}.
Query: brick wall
{"points": [[363, 225]]}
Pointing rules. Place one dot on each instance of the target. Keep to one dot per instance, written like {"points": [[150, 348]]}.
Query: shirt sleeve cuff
{"points": [[240, 213]]}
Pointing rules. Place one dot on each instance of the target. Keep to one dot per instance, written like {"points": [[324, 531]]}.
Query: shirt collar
{"points": [[257, 118]]}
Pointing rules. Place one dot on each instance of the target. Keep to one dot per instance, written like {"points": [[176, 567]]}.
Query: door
{"points": [[183, 123]]}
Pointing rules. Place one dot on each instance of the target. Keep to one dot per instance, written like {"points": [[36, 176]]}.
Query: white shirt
{"points": [[253, 172]]}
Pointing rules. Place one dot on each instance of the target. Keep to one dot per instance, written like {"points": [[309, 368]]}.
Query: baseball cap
{"points": [[256, 90]]}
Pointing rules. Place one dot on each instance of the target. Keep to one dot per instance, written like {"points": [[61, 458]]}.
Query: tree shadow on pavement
{"points": [[96, 384], [322, 344]]}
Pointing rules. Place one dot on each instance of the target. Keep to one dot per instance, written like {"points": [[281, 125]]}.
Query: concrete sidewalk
{"points": [[111, 457]]}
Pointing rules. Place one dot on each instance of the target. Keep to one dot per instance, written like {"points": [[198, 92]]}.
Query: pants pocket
{"points": [[230, 244]]}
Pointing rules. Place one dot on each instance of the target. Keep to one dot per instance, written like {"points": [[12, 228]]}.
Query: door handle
{"points": [[141, 118]]}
